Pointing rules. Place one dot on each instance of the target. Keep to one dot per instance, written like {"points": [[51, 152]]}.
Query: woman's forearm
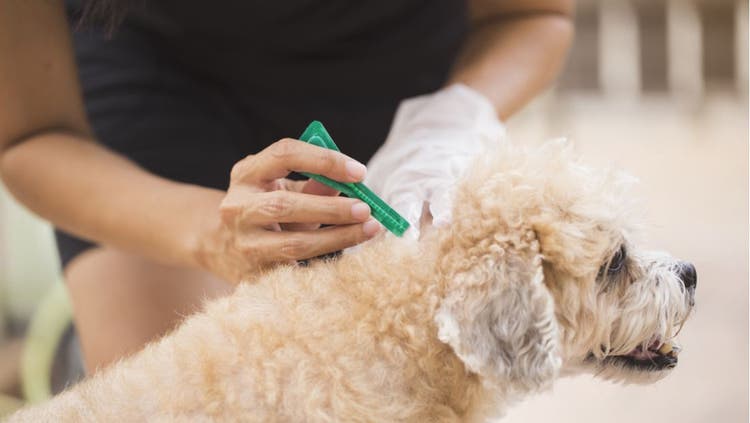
{"points": [[92, 192], [512, 55], [51, 165]]}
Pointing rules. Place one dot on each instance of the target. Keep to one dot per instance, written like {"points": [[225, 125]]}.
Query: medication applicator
{"points": [[316, 134]]}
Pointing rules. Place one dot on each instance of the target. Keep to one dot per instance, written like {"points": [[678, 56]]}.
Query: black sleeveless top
{"points": [[185, 89], [365, 50], [346, 63]]}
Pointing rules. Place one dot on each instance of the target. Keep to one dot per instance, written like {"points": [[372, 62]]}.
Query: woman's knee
{"points": [[122, 301]]}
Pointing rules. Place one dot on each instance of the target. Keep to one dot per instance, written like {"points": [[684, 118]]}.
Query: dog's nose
{"points": [[688, 276]]}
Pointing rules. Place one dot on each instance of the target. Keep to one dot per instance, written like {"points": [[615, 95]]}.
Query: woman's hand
{"points": [[432, 141], [265, 219]]}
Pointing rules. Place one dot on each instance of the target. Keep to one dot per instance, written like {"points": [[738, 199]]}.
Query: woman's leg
{"points": [[122, 301]]}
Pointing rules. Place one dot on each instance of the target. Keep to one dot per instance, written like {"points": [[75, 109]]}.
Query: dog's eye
{"points": [[617, 261]]}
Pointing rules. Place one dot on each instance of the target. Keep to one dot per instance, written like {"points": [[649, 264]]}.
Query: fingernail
{"points": [[355, 170], [360, 211], [371, 227]]}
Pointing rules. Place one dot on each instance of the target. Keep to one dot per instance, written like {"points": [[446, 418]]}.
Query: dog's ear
{"points": [[498, 315]]}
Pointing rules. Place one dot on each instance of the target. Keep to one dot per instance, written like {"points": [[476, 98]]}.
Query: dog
{"points": [[537, 277]]}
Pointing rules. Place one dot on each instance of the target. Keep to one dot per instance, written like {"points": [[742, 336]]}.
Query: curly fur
{"points": [[452, 328]]}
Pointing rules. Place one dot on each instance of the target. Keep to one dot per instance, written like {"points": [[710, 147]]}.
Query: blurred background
{"points": [[658, 88]]}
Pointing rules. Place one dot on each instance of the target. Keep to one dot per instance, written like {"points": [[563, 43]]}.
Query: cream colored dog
{"points": [[536, 277]]}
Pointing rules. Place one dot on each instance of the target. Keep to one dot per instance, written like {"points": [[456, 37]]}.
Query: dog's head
{"points": [[541, 273]]}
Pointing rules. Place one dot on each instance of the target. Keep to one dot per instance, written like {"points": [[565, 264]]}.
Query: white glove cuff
{"points": [[456, 107], [471, 103]]}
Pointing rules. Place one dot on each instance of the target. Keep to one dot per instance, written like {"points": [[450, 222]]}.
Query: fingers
{"points": [[410, 207], [316, 188], [309, 186], [284, 246], [440, 208], [265, 208], [287, 155]]}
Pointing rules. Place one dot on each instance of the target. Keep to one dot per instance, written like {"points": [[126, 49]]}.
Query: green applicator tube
{"points": [[316, 134]]}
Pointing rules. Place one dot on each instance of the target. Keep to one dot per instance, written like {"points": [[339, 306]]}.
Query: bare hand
{"points": [[266, 219]]}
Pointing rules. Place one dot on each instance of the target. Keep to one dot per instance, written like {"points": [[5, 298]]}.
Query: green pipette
{"points": [[316, 134]]}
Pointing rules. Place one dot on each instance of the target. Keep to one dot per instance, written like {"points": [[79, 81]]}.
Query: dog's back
{"points": [[350, 340]]}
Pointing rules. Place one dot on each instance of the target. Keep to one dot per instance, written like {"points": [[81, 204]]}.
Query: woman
{"points": [[154, 137]]}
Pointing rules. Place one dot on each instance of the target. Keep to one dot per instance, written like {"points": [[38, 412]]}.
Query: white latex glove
{"points": [[432, 141]]}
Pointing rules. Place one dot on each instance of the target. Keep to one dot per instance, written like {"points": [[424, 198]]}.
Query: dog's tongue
{"points": [[655, 349], [640, 354]]}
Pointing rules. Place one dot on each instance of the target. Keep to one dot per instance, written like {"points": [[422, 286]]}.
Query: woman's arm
{"points": [[515, 49], [51, 164], [49, 160]]}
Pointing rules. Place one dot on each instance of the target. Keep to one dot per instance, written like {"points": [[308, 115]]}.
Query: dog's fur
{"points": [[514, 293]]}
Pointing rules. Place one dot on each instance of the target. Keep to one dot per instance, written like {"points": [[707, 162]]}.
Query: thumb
{"points": [[409, 206], [441, 207]]}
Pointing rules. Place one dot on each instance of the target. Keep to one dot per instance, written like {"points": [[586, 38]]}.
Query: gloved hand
{"points": [[432, 141]]}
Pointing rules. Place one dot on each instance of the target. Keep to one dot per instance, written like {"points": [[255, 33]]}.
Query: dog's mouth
{"points": [[657, 356]]}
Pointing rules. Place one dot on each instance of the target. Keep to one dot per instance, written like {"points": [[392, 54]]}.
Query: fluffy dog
{"points": [[536, 277]]}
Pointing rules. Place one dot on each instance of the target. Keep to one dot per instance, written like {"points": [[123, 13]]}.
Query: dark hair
{"points": [[107, 14]]}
